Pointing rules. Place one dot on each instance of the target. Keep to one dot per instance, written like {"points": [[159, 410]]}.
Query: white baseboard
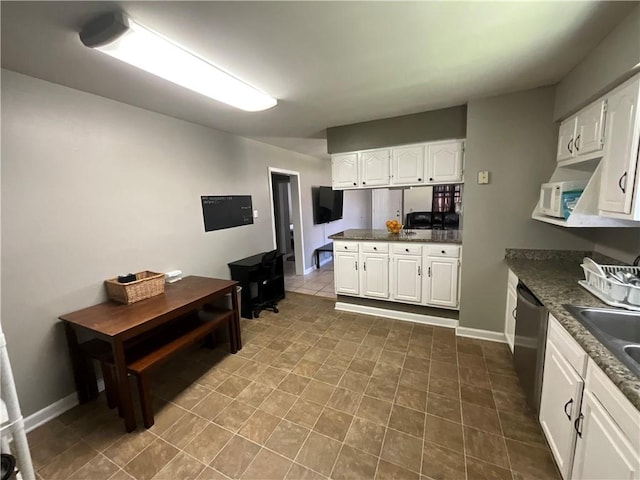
{"points": [[54, 410], [322, 263], [397, 315], [481, 334]]}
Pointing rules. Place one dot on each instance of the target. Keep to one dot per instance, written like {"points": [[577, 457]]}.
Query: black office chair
{"points": [[266, 280]]}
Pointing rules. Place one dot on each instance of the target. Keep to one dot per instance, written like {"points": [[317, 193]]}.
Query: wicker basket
{"points": [[147, 284]]}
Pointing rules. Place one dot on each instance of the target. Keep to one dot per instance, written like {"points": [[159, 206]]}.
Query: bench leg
{"points": [[110, 386], [145, 400]]}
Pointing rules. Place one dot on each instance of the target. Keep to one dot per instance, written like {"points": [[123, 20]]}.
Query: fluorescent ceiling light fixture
{"points": [[130, 42]]}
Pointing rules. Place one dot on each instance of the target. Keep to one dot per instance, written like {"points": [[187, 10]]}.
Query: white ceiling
{"points": [[328, 63]]}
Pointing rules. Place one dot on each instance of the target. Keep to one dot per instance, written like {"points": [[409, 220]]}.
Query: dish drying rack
{"points": [[609, 290]]}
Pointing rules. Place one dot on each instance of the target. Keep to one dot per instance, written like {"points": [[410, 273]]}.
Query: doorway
{"points": [[386, 204], [286, 218]]}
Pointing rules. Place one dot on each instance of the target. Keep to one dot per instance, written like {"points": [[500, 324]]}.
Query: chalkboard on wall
{"points": [[226, 211]]}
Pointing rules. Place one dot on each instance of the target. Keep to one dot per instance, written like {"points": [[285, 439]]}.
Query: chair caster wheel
{"points": [[275, 310]]}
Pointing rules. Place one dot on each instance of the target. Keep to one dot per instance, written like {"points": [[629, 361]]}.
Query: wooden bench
{"points": [[324, 248], [155, 349]]}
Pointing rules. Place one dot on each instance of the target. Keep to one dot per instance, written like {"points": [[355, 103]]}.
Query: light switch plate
{"points": [[483, 178], [255, 214]]}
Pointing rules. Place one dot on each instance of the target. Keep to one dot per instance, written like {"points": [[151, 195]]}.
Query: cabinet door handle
{"points": [[419, 271], [577, 143], [431, 179], [578, 425], [570, 146], [345, 247], [419, 179], [355, 183], [428, 271], [375, 248], [364, 183], [406, 249], [356, 265], [565, 408], [364, 266], [620, 184]]}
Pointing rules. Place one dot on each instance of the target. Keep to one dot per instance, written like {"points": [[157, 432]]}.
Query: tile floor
{"points": [[318, 283], [315, 394]]}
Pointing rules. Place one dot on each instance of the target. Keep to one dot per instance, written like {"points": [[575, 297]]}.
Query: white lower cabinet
{"points": [[345, 266], [603, 451], [440, 284], [560, 407], [406, 272], [592, 428], [510, 311], [398, 272], [374, 275]]}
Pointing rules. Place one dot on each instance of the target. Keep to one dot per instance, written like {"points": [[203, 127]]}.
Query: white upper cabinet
{"points": [[566, 137], [444, 162], [417, 164], [620, 156], [589, 129], [345, 171], [582, 135], [375, 167], [407, 165]]}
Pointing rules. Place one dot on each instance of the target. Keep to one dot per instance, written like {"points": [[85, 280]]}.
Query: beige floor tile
{"points": [[319, 453], [235, 457], [287, 438], [151, 460]]}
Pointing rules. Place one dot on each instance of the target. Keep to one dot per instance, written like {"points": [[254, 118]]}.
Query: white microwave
{"points": [[553, 196]]}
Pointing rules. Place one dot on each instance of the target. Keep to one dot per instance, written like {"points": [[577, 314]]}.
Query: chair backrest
{"points": [[268, 262]]}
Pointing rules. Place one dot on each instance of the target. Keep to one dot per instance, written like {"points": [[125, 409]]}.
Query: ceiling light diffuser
{"points": [[130, 42]]}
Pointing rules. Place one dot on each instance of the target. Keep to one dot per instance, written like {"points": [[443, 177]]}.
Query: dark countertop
{"points": [[553, 279], [423, 236]]}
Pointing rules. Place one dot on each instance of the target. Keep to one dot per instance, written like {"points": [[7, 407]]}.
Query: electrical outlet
{"points": [[483, 178]]}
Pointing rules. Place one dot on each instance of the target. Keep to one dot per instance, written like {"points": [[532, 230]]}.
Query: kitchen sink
{"points": [[618, 330]]}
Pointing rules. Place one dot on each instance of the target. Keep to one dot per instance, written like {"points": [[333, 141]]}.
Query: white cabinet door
{"points": [[406, 277], [602, 450], [407, 165], [589, 126], [440, 284], [619, 160], [344, 170], [346, 273], [560, 407], [510, 316], [375, 167], [374, 275], [444, 162], [566, 137]]}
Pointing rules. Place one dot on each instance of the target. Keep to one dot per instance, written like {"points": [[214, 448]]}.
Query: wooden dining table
{"points": [[116, 324]]}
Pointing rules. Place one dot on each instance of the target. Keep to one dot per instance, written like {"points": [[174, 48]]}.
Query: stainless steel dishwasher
{"points": [[529, 344]]}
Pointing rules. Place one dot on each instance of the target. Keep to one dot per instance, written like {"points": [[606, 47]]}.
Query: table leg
{"points": [[124, 392], [236, 322], [317, 259], [84, 374]]}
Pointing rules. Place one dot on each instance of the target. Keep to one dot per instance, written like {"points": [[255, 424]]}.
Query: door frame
{"points": [[296, 215]]}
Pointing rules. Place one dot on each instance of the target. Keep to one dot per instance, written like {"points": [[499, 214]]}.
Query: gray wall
{"points": [[419, 127], [619, 243], [92, 188], [513, 137], [614, 57]]}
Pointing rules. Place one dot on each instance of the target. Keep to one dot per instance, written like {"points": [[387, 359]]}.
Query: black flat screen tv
{"points": [[327, 204]]}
